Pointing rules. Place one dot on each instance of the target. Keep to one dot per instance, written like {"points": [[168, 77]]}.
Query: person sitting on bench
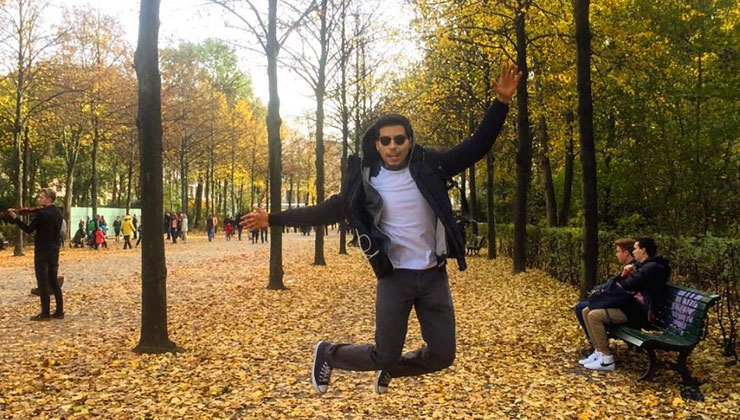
{"points": [[630, 299], [624, 248]]}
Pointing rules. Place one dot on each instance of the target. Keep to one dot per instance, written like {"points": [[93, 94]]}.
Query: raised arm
{"points": [[324, 213], [465, 154], [26, 228]]}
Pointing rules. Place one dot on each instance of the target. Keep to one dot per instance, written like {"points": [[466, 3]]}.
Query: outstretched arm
{"points": [[324, 213], [24, 227], [475, 148]]}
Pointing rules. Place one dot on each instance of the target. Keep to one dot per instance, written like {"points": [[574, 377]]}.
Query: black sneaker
{"points": [[41, 317], [382, 381], [321, 371]]}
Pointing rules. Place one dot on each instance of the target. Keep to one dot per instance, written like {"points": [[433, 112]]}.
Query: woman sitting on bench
{"points": [[628, 298]]}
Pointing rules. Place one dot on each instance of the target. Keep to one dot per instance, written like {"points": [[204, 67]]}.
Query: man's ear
{"points": [[377, 145]]}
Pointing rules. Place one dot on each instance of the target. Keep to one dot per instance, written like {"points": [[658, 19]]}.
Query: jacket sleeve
{"points": [[640, 279], [465, 154], [324, 213], [29, 228]]}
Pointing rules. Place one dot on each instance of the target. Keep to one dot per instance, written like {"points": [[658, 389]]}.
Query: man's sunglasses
{"points": [[399, 139]]}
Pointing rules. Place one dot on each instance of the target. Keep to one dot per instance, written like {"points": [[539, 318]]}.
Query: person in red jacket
{"points": [[100, 239]]}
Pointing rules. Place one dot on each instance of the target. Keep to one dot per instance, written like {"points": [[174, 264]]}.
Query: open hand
{"points": [[507, 82], [11, 214], [255, 220]]}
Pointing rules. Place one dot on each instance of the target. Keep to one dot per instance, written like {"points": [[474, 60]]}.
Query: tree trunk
{"points": [[290, 192], [568, 178], [551, 204], [128, 186], [490, 208], [344, 115], [225, 193], [198, 202], [94, 162], [252, 173], [524, 149], [154, 337], [116, 187], [184, 174], [318, 258], [274, 148], [611, 140], [26, 168], [68, 200], [588, 154], [233, 166], [473, 200], [464, 206], [207, 195]]}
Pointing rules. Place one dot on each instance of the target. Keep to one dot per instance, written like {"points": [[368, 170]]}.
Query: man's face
{"points": [[640, 253], [44, 200], [393, 154], [623, 256]]}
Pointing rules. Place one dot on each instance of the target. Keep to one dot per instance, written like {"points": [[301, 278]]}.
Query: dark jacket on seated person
{"points": [[638, 295]]}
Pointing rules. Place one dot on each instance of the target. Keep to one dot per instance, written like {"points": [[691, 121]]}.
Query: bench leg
{"points": [[652, 366], [683, 369]]}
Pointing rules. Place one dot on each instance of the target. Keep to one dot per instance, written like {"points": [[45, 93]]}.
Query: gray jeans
{"points": [[428, 292]]}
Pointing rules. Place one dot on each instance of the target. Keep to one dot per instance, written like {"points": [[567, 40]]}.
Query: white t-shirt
{"points": [[407, 219]]}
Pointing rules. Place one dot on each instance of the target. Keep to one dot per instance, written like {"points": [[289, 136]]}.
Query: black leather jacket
{"points": [[361, 205]]}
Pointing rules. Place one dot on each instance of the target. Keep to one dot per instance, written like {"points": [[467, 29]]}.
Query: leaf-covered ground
{"points": [[248, 350]]}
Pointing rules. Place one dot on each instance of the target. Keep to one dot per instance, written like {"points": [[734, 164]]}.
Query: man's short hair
{"points": [[625, 244], [648, 244], [50, 193], [393, 119]]}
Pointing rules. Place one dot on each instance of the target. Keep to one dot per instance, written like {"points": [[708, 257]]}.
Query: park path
{"points": [[248, 350], [97, 268]]}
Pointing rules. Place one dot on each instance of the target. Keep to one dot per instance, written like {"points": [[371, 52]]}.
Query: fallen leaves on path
{"points": [[248, 350]]}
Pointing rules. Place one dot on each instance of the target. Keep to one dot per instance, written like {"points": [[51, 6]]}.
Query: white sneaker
{"points": [[606, 362], [596, 355]]}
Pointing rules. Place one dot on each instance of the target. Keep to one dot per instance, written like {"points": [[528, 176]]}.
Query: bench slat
{"points": [[639, 338], [673, 290], [665, 322]]}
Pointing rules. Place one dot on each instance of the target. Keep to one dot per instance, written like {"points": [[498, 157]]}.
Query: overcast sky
{"points": [[193, 20]]}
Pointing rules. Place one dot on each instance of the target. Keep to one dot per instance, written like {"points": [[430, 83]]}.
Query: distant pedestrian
{"points": [[135, 221], [100, 239], [138, 241], [128, 230], [174, 226], [184, 227], [117, 227], [238, 226], [209, 227]]}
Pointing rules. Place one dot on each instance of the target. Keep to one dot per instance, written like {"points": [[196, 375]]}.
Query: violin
{"points": [[21, 211]]}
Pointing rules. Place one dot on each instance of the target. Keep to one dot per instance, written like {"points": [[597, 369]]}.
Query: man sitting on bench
{"points": [[624, 247], [630, 299]]}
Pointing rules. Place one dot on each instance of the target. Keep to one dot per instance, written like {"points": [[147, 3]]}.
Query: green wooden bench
{"points": [[475, 244], [681, 322]]}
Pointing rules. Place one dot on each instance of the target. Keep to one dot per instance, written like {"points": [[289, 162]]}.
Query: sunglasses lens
{"points": [[400, 139], [385, 140]]}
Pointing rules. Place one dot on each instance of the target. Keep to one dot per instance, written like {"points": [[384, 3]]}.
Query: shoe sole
{"points": [[377, 380], [601, 368], [313, 368]]}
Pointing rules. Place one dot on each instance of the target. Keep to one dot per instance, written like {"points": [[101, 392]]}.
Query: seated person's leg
{"points": [[580, 306], [598, 321]]}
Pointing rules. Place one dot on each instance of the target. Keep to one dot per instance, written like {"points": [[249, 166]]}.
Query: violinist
{"points": [[47, 225]]}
